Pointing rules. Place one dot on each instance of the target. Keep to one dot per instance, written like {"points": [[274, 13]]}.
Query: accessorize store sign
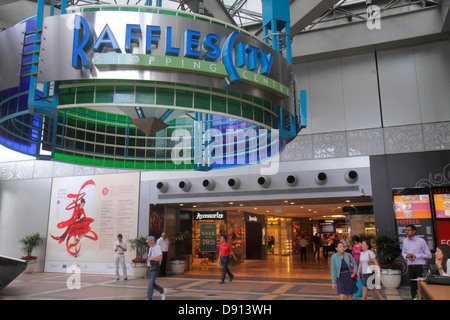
{"points": [[86, 214], [127, 45]]}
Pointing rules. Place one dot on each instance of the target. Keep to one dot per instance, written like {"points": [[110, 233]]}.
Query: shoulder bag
{"points": [[437, 279]]}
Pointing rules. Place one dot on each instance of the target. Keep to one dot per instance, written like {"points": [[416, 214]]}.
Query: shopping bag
{"points": [[358, 293]]}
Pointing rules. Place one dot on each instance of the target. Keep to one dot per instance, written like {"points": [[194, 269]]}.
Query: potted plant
{"points": [[139, 263], [29, 243], [388, 248], [182, 245]]}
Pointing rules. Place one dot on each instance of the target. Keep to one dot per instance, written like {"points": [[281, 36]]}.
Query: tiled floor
{"points": [[273, 279]]}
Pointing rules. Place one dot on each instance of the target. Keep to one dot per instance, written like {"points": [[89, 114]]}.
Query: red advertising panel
{"points": [[412, 206], [441, 198], [443, 231]]}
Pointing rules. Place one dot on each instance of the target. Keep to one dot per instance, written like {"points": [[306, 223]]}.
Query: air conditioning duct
{"points": [[263, 181], [208, 184], [184, 185], [162, 186], [291, 180], [351, 176], [321, 178], [234, 183]]}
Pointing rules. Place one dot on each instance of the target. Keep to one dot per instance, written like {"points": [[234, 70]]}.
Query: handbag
{"points": [[437, 279], [154, 265], [352, 268]]}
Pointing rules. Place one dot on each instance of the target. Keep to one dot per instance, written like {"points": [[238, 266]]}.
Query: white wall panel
{"points": [[398, 87], [360, 90], [24, 208], [327, 102], [433, 80]]}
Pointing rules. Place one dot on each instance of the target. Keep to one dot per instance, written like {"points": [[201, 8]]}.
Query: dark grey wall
{"points": [[404, 170]]}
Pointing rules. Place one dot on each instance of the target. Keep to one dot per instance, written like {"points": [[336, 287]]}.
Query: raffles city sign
{"points": [[137, 45]]}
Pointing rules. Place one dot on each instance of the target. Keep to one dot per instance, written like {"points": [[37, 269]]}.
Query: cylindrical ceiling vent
{"points": [[351, 176], [291, 180], [184, 185], [162, 186], [234, 183], [263, 181], [321, 178], [208, 184]]}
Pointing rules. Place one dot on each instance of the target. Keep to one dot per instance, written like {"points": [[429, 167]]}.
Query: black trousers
{"points": [[414, 271], [162, 271]]}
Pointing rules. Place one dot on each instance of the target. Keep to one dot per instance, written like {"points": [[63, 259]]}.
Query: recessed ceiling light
{"points": [[181, 204], [231, 202], [194, 206], [292, 202], [347, 200], [255, 208]]}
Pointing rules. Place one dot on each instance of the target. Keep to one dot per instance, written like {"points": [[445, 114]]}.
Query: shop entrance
{"points": [[254, 240], [279, 232]]}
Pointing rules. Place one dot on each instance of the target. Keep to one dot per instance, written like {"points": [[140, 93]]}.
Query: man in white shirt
{"points": [[154, 255], [415, 251], [163, 243], [119, 248]]}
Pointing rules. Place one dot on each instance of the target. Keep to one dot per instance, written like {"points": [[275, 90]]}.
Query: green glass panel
{"points": [[149, 165], [88, 161], [99, 162], [165, 96], [67, 158], [109, 163], [119, 163], [234, 107], [202, 101], [139, 165], [85, 95], [219, 104], [159, 165], [129, 164], [145, 95], [104, 94], [267, 119], [124, 95], [258, 114], [247, 110], [78, 159], [184, 98], [170, 165]]}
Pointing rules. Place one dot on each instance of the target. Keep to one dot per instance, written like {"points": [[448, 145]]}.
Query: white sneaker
{"points": [[163, 295]]}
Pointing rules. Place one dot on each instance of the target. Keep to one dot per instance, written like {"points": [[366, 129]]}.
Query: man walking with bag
{"points": [[154, 262]]}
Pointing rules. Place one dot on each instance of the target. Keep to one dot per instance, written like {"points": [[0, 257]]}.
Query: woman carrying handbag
{"points": [[343, 274]]}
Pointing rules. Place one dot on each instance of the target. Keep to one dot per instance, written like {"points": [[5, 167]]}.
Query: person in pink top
{"points": [[356, 248]]}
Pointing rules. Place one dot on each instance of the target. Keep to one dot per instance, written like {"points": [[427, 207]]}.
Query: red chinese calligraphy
{"points": [[78, 226]]}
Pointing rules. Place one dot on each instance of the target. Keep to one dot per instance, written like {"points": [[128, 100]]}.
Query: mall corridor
{"points": [[278, 278]]}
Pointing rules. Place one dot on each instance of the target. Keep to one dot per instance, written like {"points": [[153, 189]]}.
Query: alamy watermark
{"points": [[74, 280], [232, 147], [373, 17]]}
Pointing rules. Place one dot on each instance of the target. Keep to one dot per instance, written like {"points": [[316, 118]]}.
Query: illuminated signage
{"points": [[247, 55], [218, 215], [222, 53]]}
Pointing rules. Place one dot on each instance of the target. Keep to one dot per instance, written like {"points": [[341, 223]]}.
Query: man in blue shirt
{"points": [[416, 252]]}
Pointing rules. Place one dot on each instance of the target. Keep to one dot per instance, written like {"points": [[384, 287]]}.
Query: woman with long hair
{"points": [[443, 259]]}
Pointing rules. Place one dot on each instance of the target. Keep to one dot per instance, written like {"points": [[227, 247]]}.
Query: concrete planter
{"points": [[31, 265], [178, 266], [391, 278], [139, 269]]}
